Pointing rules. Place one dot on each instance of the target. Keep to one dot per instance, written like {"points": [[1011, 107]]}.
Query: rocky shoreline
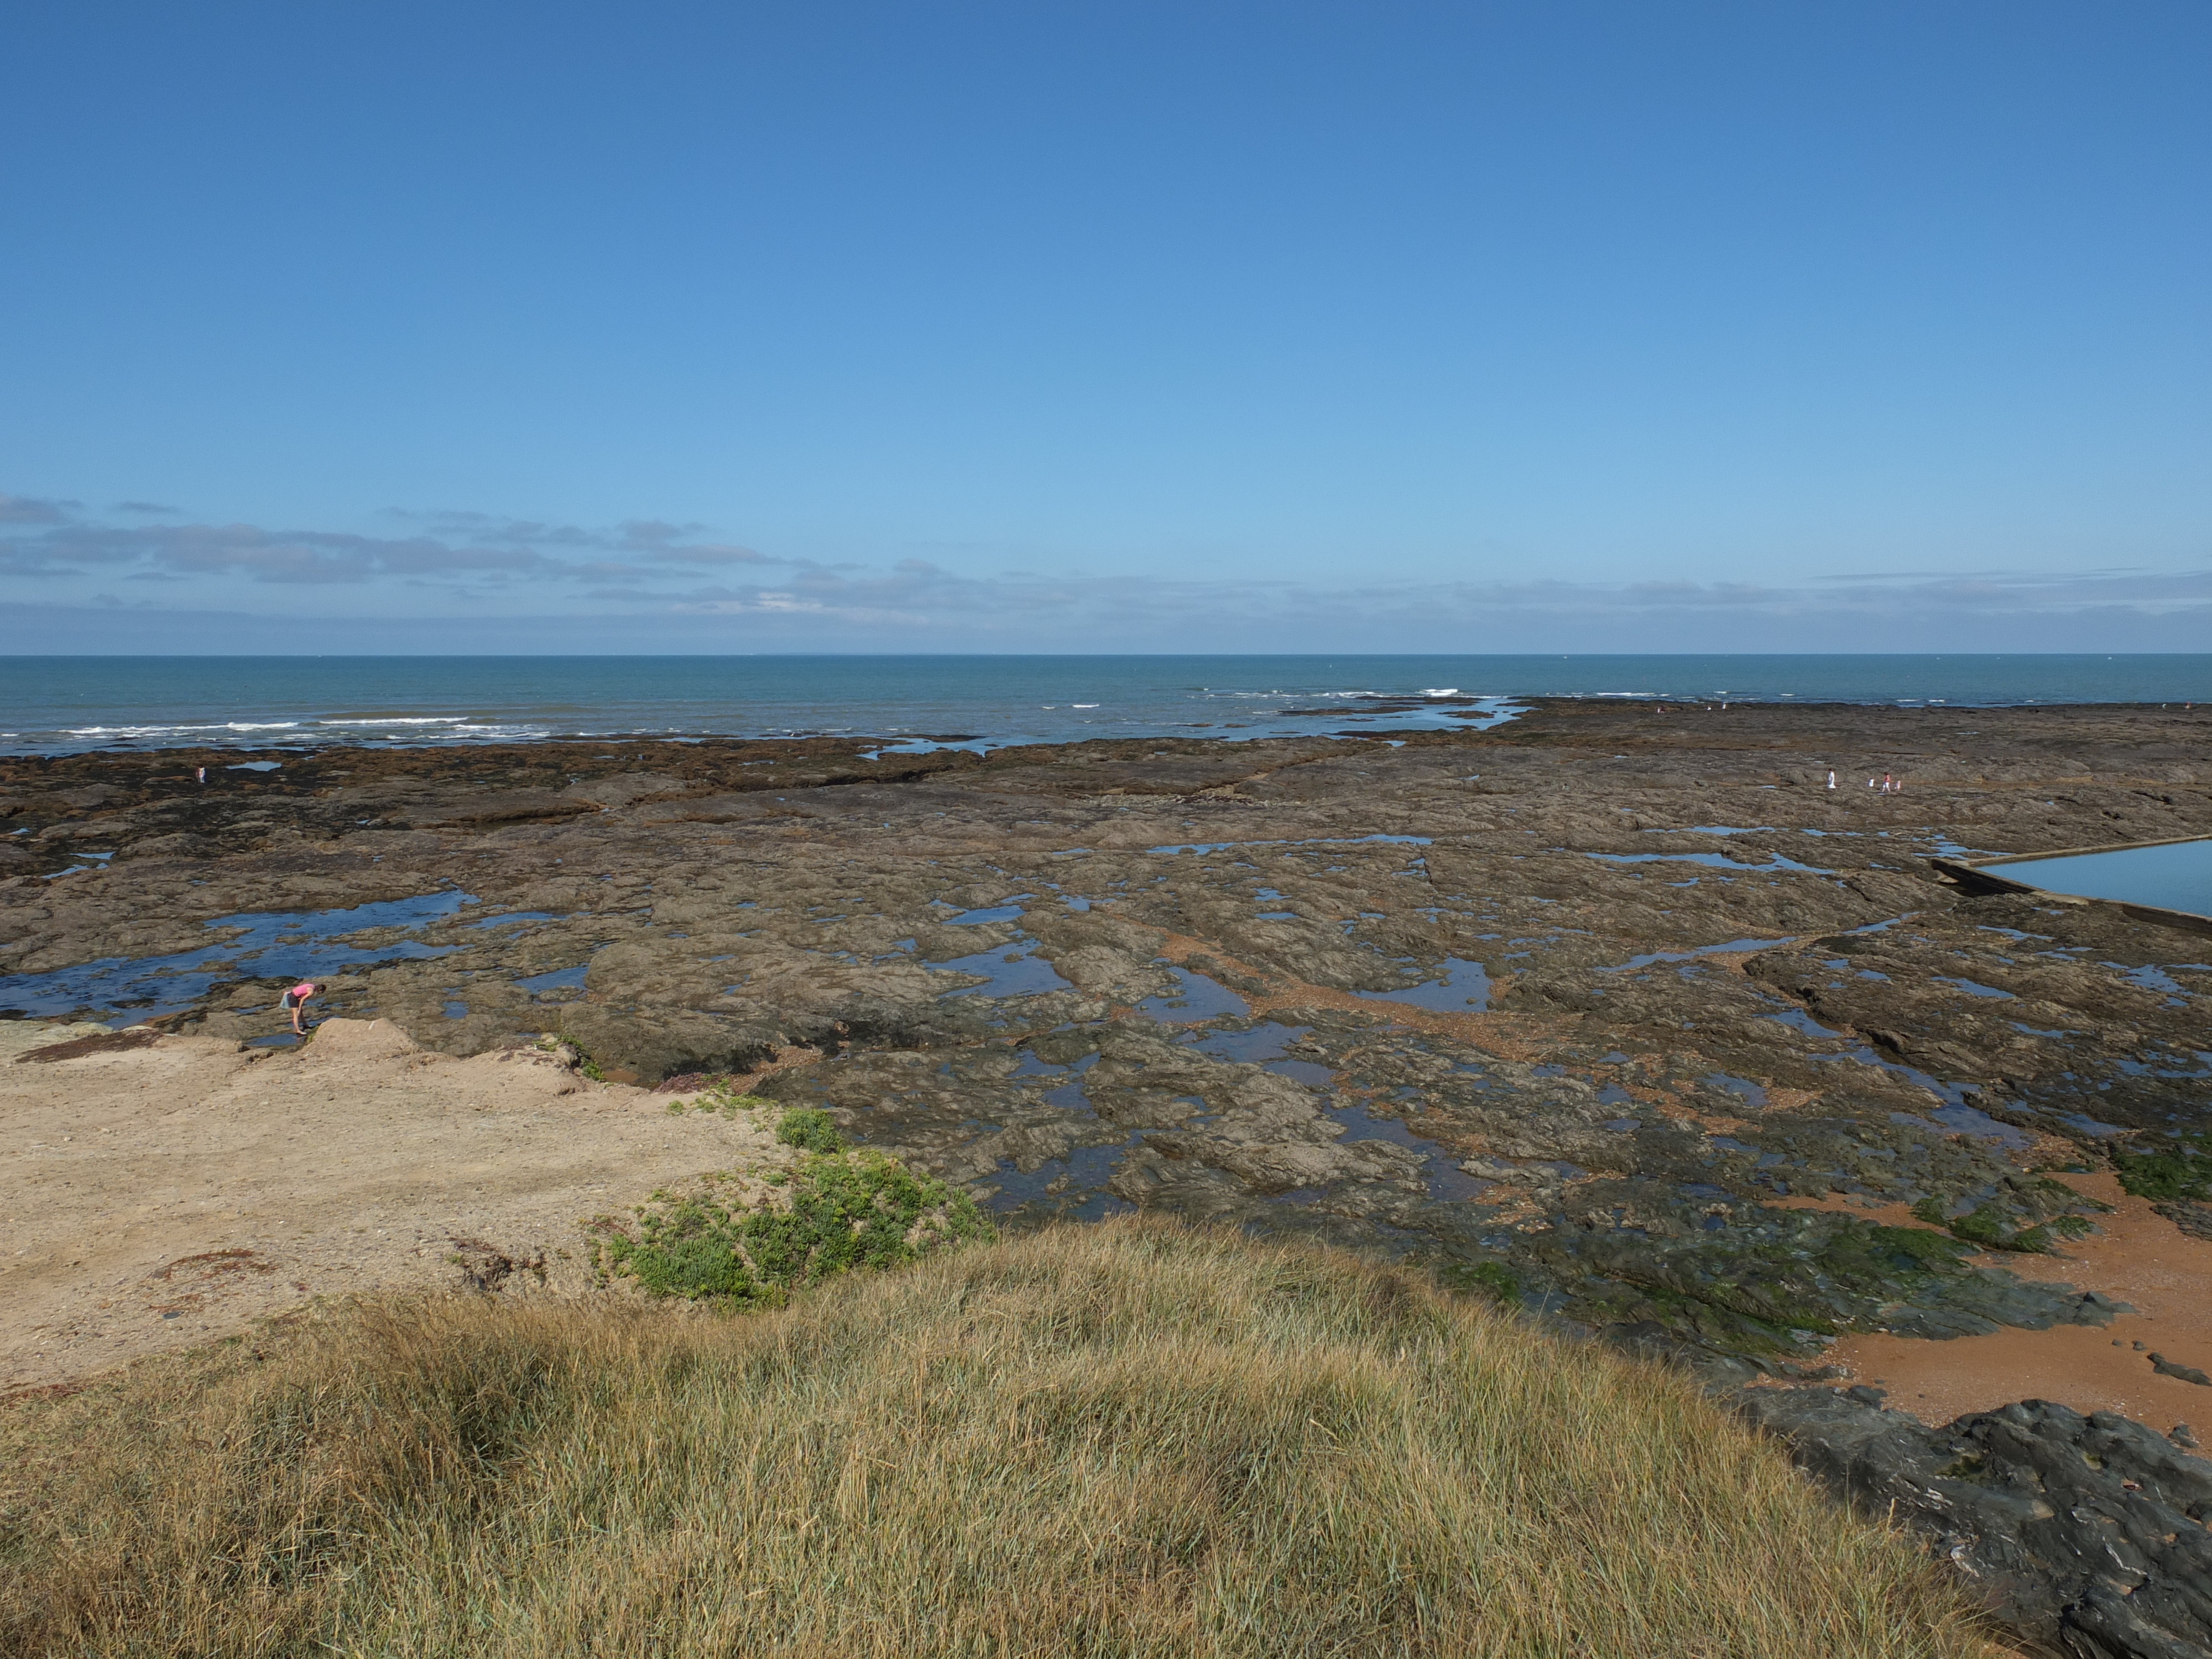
{"points": [[1618, 1012]]}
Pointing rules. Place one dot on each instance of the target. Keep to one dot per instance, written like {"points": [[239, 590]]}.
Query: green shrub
{"points": [[837, 1211], [810, 1129]]}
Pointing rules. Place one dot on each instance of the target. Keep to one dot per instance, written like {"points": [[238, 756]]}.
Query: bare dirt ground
{"points": [[163, 1195]]}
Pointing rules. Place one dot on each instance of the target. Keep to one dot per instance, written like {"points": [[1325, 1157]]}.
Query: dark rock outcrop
{"points": [[2088, 1533]]}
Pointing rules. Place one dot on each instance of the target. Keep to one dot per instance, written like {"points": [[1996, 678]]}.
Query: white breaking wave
{"points": [[174, 730]]}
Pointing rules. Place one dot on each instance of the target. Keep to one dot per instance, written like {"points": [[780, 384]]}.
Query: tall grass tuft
{"points": [[1129, 1440]]}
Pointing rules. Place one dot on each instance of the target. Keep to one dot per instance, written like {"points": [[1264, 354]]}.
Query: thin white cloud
{"points": [[644, 568]]}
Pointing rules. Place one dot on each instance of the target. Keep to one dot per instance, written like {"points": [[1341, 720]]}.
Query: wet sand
{"points": [[2140, 1258]]}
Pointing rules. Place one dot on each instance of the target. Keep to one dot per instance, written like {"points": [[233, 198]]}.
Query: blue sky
{"points": [[1563, 326]]}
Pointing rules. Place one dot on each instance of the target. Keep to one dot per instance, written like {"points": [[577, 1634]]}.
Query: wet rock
{"points": [[632, 1047], [2192, 1217], [2089, 1533]]}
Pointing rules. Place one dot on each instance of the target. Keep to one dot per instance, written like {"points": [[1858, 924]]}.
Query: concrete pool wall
{"points": [[2121, 880]]}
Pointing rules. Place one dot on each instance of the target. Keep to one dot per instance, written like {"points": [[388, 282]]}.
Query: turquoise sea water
{"points": [[63, 704]]}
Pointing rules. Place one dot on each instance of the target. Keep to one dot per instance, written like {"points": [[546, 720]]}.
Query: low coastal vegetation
{"points": [[734, 1240], [1133, 1439]]}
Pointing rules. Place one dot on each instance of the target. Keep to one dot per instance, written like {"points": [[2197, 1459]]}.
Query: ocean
{"points": [[58, 705]]}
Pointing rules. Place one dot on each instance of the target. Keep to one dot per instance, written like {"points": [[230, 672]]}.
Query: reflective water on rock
{"points": [[1652, 958], [561, 979], [1464, 989], [2176, 877], [1196, 998], [1016, 971], [297, 945]]}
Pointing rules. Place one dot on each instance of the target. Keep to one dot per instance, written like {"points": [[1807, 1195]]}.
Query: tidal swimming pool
{"points": [[2174, 877]]}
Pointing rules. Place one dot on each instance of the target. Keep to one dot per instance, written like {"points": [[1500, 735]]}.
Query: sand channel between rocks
{"points": [[2138, 1257]]}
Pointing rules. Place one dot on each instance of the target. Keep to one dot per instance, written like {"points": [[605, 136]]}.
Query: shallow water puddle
{"points": [[1264, 1045], [1267, 1040], [1012, 970], [1465, 988], [1712, 862], [1974, 987], [1072, 1188], [1753, 1095], [561, 979], [991, 913], [1447, 1181], [1802, 1022], [1317, 840], [1653, 958], [1196, 999], [271, 944]]}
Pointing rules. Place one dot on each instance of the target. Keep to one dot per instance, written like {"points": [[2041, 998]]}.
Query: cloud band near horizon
{"points": [[207, 587]]}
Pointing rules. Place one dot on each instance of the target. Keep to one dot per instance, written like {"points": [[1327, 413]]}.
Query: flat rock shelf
{"points": [[1618, 1012]]}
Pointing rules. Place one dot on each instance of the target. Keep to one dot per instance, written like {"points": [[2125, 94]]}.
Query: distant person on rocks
{"points": [[295, 1001], [1831, 780]]}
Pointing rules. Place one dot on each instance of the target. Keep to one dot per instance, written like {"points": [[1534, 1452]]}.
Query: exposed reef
{"points": [[1619, 1011]]}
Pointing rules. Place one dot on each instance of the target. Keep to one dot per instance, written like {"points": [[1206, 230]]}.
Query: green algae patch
{"points": [[2180, 1169], [1492, 1278], [1984, 1227], [1797, 1276]]}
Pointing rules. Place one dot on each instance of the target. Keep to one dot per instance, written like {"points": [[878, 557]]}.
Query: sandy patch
{"points": [[2140, 1258], [163, 1195]]}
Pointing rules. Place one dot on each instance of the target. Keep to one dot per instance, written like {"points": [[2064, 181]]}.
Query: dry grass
{"points": [[1127, 1439]]}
